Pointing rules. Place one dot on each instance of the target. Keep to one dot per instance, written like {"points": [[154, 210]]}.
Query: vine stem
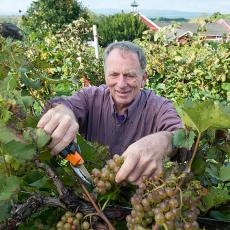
{"points": [[194, 152], [100, 213], [165, 227]]}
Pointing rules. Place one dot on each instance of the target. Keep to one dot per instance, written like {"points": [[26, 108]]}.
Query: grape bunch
{"points": [[104, 179], [170, 200], [71, 221]]}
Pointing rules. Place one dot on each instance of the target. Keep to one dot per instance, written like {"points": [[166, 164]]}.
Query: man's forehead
{"points": [[123, 51]]}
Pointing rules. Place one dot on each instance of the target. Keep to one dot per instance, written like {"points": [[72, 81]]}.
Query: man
{"points": [[132, 121]]}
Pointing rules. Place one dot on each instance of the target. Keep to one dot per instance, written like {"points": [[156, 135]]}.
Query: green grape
{"points": [[68, 214], [60, 224], [160, 200], [173, 203], [104, 179], [85, 225], [169, 215], [64, 218], [67, 226], [79, 216], [164, 206], [159, 218], [76, 222], [96, 173]]}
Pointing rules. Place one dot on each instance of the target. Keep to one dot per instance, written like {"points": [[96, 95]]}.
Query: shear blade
{"points": [[80, 175]]}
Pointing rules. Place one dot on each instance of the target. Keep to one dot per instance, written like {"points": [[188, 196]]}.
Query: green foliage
{"points": [[119, 27], [93, 153], [20, 151], [9, 187], [208, 119], [195, 70], [6, 135], [204, 115], [215, 197], [5, 211], [38, 68], [222, 216], [183, 139], [51, 15], [225, 173], [41, 138]]}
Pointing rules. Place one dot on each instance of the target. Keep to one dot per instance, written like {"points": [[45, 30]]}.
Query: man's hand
{"points": [[144, 157], [61, 124]]}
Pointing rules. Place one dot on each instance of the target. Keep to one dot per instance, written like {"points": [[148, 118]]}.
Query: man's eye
{"points": [[113, 75], [130, 76]]}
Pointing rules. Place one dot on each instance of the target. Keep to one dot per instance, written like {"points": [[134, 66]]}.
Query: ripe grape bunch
{"points": [[74, 222], [170, 200], [104, 179]]}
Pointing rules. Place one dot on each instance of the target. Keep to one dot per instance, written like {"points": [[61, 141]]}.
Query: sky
{"points": [[209, 6]]}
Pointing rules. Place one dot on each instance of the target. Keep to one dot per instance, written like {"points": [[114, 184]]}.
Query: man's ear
{"points": [[145, 77]]}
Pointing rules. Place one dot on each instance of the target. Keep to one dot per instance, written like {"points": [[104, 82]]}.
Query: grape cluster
{"points": [[71, 221], [165, 201], [104, 179]]}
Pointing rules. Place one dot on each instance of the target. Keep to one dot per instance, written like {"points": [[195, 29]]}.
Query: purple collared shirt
{"points": [[96, 114]]}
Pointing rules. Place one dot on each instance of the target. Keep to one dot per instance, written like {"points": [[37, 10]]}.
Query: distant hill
{"points": [[10, 19], [155, 13]]}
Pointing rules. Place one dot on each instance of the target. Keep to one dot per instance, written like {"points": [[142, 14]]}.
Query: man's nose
{"points": [[122, 81]]}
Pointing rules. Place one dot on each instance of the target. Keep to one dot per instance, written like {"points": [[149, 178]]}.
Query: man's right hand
{"points": [[61, 124]]}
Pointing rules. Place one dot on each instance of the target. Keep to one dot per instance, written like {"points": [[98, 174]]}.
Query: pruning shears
{"points": [[71, 153]]}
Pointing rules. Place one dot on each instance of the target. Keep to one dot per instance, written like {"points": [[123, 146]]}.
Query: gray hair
{"points": [[129, 47]]}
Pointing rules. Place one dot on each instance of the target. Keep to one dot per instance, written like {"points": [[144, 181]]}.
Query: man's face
{"points": [[124, 77]]}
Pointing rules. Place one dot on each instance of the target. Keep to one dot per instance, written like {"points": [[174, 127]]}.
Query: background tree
{"points": [[119, 27], [52, 14]]}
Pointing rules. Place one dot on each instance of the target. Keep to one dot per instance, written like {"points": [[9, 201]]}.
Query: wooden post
{"points": [[95, 38]]}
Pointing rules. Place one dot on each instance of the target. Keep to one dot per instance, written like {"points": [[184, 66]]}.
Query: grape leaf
{"points": [[94, 154], [203, 115], [27, 101], [5, 211], [183, 138], [226, 86], [41, 138], [35, 84], [225, 173], [220, 215], [215, 197], [198, 165], [6, 135], [8, 187], [20, 151], [41, 183]]}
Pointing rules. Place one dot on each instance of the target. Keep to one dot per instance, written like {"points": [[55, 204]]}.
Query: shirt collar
{"points": [[131, 108]]}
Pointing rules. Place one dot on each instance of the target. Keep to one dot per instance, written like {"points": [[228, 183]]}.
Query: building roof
{"points": [[211, 29]]}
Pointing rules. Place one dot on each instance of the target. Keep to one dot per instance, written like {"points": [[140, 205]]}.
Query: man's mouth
{"points": [[122, 93]]}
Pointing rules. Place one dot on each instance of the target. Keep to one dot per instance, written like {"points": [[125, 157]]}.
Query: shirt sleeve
{"points": [[167, 118], [78, 103]]}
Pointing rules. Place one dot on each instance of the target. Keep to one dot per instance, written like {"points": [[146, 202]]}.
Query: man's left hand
{"points": [[145, 157]]}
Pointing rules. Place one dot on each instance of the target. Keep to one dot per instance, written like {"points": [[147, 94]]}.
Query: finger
{"points": [[127, 167], [146, 169], [45, 119], [159, 170], [60, 132], [53, 123], [68, 137], [148, 173]]}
